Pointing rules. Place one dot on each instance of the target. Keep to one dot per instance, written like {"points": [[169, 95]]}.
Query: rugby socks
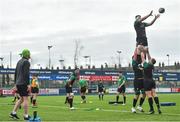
{"points": [[66, 101], [83, 97], [31, 99], [150, 100], [117, 98], [99, 97], [71, 102], [141, 101], [34, 102], [156, 99], [134, 102], [102, 96], [124, 98]]}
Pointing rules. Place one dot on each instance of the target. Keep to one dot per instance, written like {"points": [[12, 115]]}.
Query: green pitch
{"points": [[52, 108]]}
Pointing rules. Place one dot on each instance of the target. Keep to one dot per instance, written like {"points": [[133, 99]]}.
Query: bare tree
{"points": [[77, 53]]}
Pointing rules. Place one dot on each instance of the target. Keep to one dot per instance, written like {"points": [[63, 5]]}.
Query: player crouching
{"points": [[83, 87]]}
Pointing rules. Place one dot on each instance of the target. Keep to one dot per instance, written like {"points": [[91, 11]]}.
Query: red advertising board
{"points": [[175, 89], [97, 78]]}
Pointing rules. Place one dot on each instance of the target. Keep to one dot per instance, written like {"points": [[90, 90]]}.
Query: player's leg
{"points": [[14, 100], [124, 98], [13, 114], [34, 99], [135, 99], [67, 94], [150, 100], [117, 97], [31, 98], [156, 99], [123, 90], [99, 93], [143, 96], [26, 116], [83, 92], [102, 94], [71, 96]]}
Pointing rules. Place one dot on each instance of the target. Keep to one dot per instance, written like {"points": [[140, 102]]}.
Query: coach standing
{"points": [[22, 84]]}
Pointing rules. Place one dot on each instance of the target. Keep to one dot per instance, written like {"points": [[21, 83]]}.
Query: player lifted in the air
{"points": [[69, 83], [83, 87], [140, 25]]}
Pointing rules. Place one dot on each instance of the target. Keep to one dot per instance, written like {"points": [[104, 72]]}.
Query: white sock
{"points": [[13, 112], [26, 115]]}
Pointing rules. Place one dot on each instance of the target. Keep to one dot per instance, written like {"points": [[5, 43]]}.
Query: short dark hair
{"points": [[153, 60], [137, 16]]}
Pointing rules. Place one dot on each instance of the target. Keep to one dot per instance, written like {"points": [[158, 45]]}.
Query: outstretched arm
{"points": [[152, 22], [143, 57], [145, 17], [149, 56]]}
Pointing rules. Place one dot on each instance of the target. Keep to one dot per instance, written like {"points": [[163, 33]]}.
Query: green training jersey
{"points": [[82, 83], [121, 80], [148, 70]]}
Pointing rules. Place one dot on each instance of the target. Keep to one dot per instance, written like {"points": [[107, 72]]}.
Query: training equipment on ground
{"points": [[97, 109], [168, 104], [114, 102], [35, 118], [161, 10]]}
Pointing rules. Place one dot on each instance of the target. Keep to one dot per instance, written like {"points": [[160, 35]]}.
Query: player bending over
{"points": [[69, 93], [121, 88], [83, 87], [149, 83]]}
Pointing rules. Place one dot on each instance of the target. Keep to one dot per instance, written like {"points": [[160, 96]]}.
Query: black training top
{"points": [[100, 86], [140, 29], [137, 72], [22, 72]]}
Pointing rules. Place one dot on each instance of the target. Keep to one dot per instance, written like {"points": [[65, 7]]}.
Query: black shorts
{"points": [[122, 89], [141, 41], [139, 86], [68, 89], [83, 89], [100, 90], [22, 90], [149, 84], [34, 90]]}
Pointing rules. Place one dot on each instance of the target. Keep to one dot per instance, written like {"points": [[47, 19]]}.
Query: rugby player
{"points": [[69, 83], [22, 84], [138, 83], [34, 90], [83, 87], [100, 90], [121, 88], [139, 25], [149, 83]]}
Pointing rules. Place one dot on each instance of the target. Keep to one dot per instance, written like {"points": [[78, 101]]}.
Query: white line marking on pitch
{"points": [[106, 110]]}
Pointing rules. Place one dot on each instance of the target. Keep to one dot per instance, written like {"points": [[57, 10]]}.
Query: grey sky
{"points": [[102, 26]]}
